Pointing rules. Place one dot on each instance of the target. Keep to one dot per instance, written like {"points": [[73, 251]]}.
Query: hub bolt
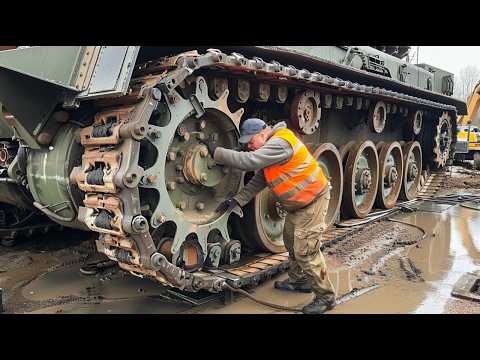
{"points": [[171, 186], [181, 130], [200, 206], [204, 152], [172, 156], [182, 205], [151, 179], [203, 177], [186, 136], [139, 130], [154, 134], [159, 220]]}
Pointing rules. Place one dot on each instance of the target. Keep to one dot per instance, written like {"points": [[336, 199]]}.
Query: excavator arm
{"points": [[473, 105]]}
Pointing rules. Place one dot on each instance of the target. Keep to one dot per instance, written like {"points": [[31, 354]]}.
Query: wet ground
{"points": [[387, 267]]}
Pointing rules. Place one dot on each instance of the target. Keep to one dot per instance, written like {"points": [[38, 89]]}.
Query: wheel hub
{"points": [[275, 212], [392, 176], [199, 168], [363, 181], [412, 171], [412, 164]]}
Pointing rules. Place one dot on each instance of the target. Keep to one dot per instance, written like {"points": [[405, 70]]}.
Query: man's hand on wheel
{"points": [[228, 204], [211, 146]]}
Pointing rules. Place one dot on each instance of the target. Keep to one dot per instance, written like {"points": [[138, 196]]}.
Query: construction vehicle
{"points": [[108, 139], [468, 139]]}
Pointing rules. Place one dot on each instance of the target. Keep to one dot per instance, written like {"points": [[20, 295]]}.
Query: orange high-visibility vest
{"points": [[299, 181]]}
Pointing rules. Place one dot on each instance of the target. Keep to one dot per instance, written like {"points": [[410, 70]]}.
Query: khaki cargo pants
{"points": [[302, 236]]}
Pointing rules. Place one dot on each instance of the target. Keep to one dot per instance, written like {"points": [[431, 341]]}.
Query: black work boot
{"points": [[289, 285], [319, 305]]}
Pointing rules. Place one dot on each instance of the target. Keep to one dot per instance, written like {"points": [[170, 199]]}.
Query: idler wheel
{"points": [[305, 112], [390, 159], [361, 180], [412, 165], [329, 160], [415, 122]]}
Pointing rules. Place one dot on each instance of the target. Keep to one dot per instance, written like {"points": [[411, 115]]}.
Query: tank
{"points": [[108, 139]]}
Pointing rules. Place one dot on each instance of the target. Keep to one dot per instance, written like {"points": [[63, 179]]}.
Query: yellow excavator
{"points": [[468, 132]]}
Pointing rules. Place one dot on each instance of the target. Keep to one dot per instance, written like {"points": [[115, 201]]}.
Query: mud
{"points": [[461, 179], [387, 267]]}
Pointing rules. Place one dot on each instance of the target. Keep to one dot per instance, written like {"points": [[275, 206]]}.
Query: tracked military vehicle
{"points": [[108, 139]]}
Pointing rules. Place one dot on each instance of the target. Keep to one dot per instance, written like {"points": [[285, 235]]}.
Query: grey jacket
{"points": [[274, 151]]}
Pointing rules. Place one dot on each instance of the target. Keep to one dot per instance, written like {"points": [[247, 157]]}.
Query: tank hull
{"points": [[123, 157]]}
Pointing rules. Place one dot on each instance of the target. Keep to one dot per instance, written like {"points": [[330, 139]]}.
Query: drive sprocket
{"points": [[442, 141]]}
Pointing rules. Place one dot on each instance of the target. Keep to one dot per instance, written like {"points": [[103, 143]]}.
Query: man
{"points": [[285, 165]]}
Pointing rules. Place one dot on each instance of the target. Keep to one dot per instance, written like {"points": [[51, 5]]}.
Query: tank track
{"points": [[124, 234], [188, 63]]}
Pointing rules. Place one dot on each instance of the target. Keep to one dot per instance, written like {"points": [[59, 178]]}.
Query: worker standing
{"points": [[284, 164]]}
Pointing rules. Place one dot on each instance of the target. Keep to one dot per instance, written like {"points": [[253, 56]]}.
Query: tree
{"points": [[466, 81]]}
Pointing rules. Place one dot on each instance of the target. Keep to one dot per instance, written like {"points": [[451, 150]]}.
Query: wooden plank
{"points": [[279, 257], [250, 270], [270, 261], [260, 266], [238, 272]]}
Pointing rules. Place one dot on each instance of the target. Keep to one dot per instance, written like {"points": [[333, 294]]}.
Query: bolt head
{"points": [[204, 152], [200, 206], [154, 134], [156, 93], [151, 179], [130, 178], [171, 156], [182, 205], [171, 185], [203, 177], [139, 130], [139, 224]]}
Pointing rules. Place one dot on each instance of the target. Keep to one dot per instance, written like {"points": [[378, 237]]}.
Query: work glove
{"points": [[228, 204], [211, 146]]}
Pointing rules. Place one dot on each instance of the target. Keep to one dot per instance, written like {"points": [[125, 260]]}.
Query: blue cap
{"points": [[249, 128]]}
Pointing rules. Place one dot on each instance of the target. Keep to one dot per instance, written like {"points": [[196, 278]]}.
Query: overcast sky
{"points": [[450, 58]]}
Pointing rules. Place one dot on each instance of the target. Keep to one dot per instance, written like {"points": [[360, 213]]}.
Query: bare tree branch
{"points": [[466, 81]]}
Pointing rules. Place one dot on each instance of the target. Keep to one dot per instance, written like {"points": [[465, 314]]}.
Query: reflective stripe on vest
{"points": [[299, 181]]}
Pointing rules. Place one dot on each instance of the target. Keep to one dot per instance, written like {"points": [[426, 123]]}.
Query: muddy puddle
{"points": [[392, 268]]}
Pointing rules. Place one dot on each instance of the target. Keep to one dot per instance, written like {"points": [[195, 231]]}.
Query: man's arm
{"points": [[256, 184], [274, 151]]}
